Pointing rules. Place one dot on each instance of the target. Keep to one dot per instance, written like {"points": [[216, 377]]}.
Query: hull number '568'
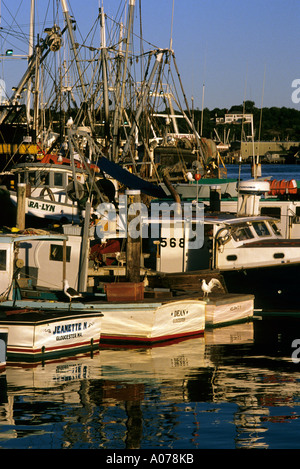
{"points": [[173, 242]]}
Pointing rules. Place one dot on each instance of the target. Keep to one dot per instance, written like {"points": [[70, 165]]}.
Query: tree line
{"points": [[274, 123]]}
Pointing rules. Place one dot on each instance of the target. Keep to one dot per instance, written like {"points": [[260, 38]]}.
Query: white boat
{"points": [[249, 252], [149, 322], [247, 248], [39, 335], [221, 308], [131, 322], [41, 328], [281, 202], [50, 192]]}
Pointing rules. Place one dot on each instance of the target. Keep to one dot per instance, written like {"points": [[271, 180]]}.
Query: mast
{"points": [[30, 54], [37, 91], [114, 155], [144, 94], [104, 72], [191, 123], [28, 74], [119, 106], [75, 52]]}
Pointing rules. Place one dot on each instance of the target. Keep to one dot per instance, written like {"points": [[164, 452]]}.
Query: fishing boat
{"points": [[247, 248], [281, 201], [35, 334], [41, 328], [56, 188]]}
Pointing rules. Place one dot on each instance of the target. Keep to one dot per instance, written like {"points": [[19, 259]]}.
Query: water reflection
{"points": [[230, 388]]}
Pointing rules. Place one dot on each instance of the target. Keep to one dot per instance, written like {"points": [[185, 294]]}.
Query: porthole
{"points": [[232, 257], [278, 255]]}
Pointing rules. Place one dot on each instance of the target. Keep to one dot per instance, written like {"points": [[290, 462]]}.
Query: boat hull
{"points": [[230, 309], [275, 288], [46, 209], [202, 189], [149, 322], [153, 322], [142, 321], [36, 335]]}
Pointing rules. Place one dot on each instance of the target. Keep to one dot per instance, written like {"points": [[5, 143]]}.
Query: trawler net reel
{"points": [[54, 39]]}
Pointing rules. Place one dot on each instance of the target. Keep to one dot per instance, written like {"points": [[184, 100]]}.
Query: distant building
{"points": [[263, 148]]}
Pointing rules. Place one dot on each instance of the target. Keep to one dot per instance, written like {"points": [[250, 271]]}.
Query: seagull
{"points": [[207, 288], [70, 292], [190, 176]]}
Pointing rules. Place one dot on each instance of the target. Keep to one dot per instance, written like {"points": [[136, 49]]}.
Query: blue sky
{"points": [[240, 49]]}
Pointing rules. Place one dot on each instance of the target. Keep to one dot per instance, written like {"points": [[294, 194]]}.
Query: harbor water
{"points": [[234, 387]]}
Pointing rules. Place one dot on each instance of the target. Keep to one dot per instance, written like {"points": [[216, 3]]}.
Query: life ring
{"points": [[50, 193]]}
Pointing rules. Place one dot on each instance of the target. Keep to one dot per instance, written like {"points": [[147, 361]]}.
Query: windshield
{"points": [[240, 233], [261, 228]]}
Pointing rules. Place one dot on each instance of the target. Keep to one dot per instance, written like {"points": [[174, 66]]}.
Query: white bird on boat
{"points": [[190, 176], [70, 292], [208, 287]]}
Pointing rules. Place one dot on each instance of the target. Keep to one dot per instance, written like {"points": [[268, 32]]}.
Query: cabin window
{"points": [[241, 233], [2, 259], [32, 178], [261, 228], [56, 253], [58, 179], [274, 212], [275, 228], [44, 179]]}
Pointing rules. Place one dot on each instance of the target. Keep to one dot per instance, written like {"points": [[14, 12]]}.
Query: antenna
{"points": [[262, 100], [171, 38]]}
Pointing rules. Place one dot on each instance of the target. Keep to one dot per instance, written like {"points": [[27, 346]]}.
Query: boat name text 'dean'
{"points": [[179, 315]]}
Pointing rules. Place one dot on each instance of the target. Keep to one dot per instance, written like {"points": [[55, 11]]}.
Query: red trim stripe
{"points": [[120, 338], [11, 349]]}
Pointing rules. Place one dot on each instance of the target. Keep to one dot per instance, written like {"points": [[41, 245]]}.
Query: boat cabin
{"points": [[38, 261], [40, 176], [230, 239], [286, 213], [226, 245]]}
